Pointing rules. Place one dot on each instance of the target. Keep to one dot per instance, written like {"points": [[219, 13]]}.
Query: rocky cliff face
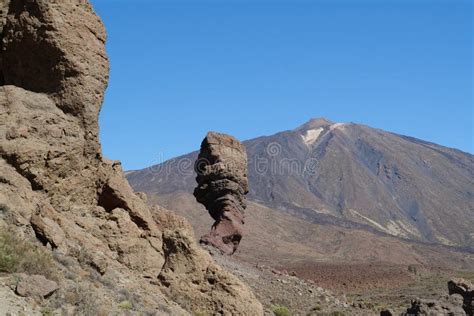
{"points": [[55, 185], [222, 184]]}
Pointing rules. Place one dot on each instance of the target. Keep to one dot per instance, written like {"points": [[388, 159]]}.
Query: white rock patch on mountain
{"points": [[311, 136]]}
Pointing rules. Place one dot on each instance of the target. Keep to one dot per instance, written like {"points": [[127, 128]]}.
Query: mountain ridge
{"points": [[393, 183], [413, 138]]}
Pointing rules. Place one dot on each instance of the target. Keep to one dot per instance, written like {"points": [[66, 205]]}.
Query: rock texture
{"points": [[35, 286], [207, 286], [466, 290], [222, 185], [14, 304], [448, 307], [56, 186], [458, 302]]}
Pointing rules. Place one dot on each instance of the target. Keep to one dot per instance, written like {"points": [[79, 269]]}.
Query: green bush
{"points": [[280, 310], [46, 311], [127, 305], [19, 255]]}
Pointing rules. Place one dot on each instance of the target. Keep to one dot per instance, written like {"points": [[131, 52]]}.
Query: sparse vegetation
{"points": [[46, 311], [280, 310], [316, 308], [125, 305], [468, 275], [82, 255], [127, 299], [85, 299], [20, 255]]}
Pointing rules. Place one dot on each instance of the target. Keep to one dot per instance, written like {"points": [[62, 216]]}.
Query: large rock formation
{"points": [[466, 290], [458, 302], [56, 186], [222, 185], [449, 306]]}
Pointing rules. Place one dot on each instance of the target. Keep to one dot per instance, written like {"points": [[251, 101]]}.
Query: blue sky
{"points": [[249, 68]]}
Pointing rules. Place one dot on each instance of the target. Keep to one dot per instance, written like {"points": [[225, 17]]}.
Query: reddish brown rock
{"points": [[222, 185]]}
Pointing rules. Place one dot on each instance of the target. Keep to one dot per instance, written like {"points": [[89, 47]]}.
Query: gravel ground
{"points": [[278, 288]]}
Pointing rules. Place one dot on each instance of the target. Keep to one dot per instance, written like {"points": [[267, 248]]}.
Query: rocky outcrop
{"points": [[449, 306], [466, 290], [35, 286], [194, 282], [56, 186], [458, 302], [222, 185]]}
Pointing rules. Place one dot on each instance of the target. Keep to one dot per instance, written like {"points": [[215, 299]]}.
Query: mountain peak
{"points": [[315, 123]]}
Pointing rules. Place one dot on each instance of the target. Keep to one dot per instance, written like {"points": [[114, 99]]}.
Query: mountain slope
{"points": [[350, 175], [275, 238]]}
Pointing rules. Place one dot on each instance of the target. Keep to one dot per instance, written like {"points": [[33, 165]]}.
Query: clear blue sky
{"points": [[250, 68]]}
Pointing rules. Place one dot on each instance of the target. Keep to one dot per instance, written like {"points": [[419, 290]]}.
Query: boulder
{"points": [[465, 289], [458, 302], [35, 286], [442, 307], [386, 312], [221, 187]]}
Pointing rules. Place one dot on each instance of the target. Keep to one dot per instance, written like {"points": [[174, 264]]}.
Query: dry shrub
{"points": [[20, 255]]}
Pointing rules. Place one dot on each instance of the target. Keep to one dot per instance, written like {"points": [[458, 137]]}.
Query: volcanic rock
{"points": [[35, 286], [386, 312], [466, 290], [198, 291], [433, 307], [56, 186], [458, 302], [222, 185]]}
